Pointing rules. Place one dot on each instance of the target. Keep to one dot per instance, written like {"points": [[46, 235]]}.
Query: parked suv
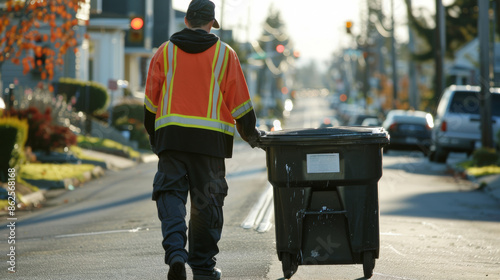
{"points": [[457, 122]]}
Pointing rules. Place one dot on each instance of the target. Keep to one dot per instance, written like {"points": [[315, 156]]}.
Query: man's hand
{"points": [[254, 140]]}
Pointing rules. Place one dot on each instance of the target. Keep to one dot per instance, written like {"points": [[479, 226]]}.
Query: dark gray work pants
{"points": [[203, 177]]}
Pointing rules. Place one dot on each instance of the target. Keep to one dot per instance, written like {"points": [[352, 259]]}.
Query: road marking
{"points": [[261, 213], [395, 251], [101, 232], [265, 223]]}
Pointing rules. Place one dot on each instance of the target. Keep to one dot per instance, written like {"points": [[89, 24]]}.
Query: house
{"points": [[464, 70], [113, 52]]}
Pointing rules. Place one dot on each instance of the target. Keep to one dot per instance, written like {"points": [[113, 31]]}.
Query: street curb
{"points": [[145, 158], [110, 163], [33, 199], [490, 184]]}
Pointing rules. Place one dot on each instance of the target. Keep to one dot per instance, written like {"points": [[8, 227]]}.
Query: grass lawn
{"points": [[53, 172], [106, 145], [483, 171], [479, 171]]}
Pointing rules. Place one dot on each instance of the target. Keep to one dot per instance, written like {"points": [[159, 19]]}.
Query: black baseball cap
{"points": [[202, 9]]}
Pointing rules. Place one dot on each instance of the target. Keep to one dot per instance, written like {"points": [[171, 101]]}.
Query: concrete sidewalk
{"points": [[116, 162]]}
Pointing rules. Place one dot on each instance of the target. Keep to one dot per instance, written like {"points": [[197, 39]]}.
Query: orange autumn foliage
{"points": [[37, 33]]}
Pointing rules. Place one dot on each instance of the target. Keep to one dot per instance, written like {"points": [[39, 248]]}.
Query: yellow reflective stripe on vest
{"points": [[221, 76], [171, 51], [221, 59], [241, 110], [195, 122], [212, 78], [149, 105], [173, 78]]}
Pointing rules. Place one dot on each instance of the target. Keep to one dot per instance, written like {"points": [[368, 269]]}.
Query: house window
{"points": [[95, 6]]}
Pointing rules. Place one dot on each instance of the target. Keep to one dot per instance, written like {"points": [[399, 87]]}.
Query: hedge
{"points": [[130, 116], [89, 97], [14, 135]]}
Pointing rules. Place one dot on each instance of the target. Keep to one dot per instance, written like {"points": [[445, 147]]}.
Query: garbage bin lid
{"points": [[342, 135]]}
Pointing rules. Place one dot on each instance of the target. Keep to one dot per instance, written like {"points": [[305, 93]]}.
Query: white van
{"points": [[457, 122]]}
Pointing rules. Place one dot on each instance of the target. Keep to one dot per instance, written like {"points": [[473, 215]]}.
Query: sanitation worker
{"points": [[195, 94]]}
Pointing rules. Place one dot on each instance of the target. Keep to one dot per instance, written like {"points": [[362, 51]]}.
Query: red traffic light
{"points": [[280, 48], [137, 23]]}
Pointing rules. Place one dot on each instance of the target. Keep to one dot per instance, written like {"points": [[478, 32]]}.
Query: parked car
{"points": [[357, 120], [457, 121], [409, 130]]}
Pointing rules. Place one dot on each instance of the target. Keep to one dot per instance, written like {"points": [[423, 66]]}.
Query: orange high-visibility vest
{"points": [[204, 91]]}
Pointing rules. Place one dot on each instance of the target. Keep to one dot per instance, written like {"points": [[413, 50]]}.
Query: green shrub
{"points": [[485, 157], [14, 134], [130, 109], [89, 97]]}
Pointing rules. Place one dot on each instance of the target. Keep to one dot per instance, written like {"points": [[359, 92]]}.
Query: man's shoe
{"points": [[216, 274], [177, 269]]}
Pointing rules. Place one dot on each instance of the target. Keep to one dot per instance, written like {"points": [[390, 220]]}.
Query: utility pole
{"points": [[413, 91], [394, 61], [493, 20], [440, 50], [484, 70], [221, 22]]}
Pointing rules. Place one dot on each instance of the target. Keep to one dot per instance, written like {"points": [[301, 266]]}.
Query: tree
{"points": [[38, 33], [461, 27]]}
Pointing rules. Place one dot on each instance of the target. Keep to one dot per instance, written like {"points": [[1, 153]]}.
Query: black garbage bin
{"points": [[325, 184]]}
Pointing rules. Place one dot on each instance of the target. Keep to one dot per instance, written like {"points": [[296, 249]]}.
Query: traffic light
{"points": [[137, 23], [136, 32], [348, 26]]}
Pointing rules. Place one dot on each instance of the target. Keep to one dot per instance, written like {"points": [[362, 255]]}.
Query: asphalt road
{"points": [[432, 225]]}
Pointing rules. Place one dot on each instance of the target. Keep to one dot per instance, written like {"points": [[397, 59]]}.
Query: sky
{"points": [[316, 27]]}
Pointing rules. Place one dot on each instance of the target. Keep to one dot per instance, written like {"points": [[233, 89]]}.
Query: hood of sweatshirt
{"points": [[194, 41]]}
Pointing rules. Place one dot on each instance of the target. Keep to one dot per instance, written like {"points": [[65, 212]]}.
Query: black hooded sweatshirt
{"points": [[197, 41]]}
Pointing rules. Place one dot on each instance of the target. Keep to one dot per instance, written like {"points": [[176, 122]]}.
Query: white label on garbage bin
{"points": [[323, 163]]}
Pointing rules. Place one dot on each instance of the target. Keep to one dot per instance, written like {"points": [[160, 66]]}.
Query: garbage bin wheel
{"points": [[289, 264], [368, 264]]}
